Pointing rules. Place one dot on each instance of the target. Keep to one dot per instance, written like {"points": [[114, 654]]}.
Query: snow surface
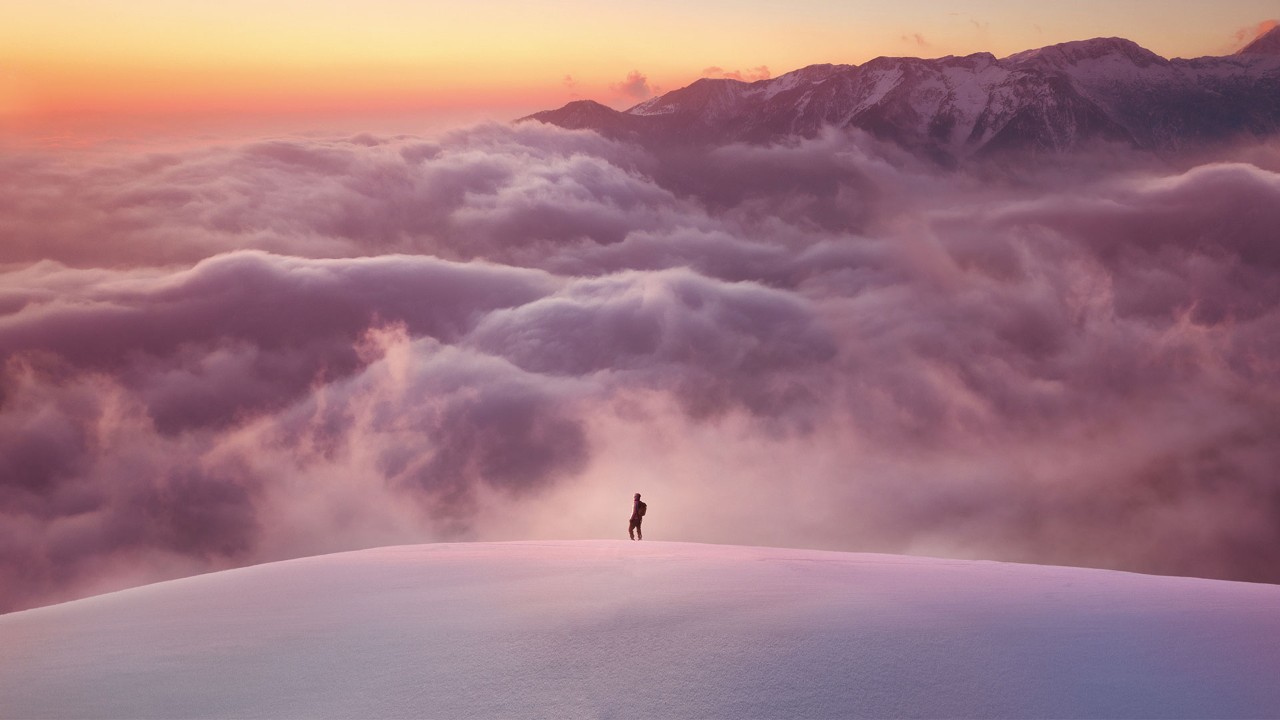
{"points": [[651, 629], [781, 84], [652, 106]]}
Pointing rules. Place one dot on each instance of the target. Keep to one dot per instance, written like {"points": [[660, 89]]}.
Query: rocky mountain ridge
{"points": [[1051, 99]]}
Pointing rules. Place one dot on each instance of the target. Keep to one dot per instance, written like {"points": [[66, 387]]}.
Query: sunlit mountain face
{"points": [[1023, 307]]}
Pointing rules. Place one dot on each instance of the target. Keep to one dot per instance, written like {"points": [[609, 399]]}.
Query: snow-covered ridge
{"points": [[1054, 98], [652, 629]]}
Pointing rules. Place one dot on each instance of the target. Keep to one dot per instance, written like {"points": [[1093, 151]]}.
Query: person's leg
{"points": [[631, 529], [639, 532]]}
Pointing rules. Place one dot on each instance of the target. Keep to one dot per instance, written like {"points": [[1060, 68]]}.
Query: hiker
{"points": [[637, 514]]}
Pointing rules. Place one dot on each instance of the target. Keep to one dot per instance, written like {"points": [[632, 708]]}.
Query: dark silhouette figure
{"points": [[637, 515]]}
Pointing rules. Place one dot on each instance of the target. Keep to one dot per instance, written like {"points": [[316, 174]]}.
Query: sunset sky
{"points": [[75, 66]]}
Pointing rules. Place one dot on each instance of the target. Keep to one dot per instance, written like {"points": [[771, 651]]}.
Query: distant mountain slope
{"points": [[1051, 99], [613, 628]]}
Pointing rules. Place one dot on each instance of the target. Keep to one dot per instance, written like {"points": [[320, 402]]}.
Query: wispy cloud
{"points": [[571, 85], [760, 72], [1246, 35]]}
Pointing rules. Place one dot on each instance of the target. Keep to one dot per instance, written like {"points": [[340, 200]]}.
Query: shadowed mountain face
{"points": [[1052, 99]]}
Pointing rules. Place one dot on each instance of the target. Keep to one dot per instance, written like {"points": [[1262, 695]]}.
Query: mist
{"points": [[243, 353]]}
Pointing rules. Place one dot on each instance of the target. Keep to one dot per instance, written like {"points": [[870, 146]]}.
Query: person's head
{"points": [[637, 496]]}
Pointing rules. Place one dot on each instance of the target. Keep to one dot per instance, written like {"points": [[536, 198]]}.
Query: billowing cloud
{"points": [[244, 353], [635, 86]]}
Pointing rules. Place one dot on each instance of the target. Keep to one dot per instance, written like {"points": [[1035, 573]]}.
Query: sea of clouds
{"points": [[235, 354]]}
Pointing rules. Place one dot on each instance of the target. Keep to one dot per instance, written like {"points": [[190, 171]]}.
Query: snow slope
{"points": [[620, 629]]}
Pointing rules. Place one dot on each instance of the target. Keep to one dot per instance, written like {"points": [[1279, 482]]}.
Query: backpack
{"points": [[641, 508]]}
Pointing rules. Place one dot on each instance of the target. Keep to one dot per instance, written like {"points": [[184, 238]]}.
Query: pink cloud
{"points": [[635, 86], [236, 354]]}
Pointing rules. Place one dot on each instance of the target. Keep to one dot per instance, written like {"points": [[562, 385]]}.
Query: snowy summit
{"points": [[620, 629]]}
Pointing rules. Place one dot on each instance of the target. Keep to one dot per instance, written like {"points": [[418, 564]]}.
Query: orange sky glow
{"points": [[70, 65]]}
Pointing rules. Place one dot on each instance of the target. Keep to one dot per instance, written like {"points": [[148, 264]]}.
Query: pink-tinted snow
{"points": [[652, 629]]}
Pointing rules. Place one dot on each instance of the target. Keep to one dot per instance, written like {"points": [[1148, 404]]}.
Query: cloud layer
{"points": [[239, 354]]}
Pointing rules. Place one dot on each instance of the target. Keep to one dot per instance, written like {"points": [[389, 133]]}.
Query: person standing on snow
{"points": [[637, 515]]}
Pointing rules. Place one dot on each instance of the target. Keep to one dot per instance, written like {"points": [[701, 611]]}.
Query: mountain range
{"points": [[1052, 99]]}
